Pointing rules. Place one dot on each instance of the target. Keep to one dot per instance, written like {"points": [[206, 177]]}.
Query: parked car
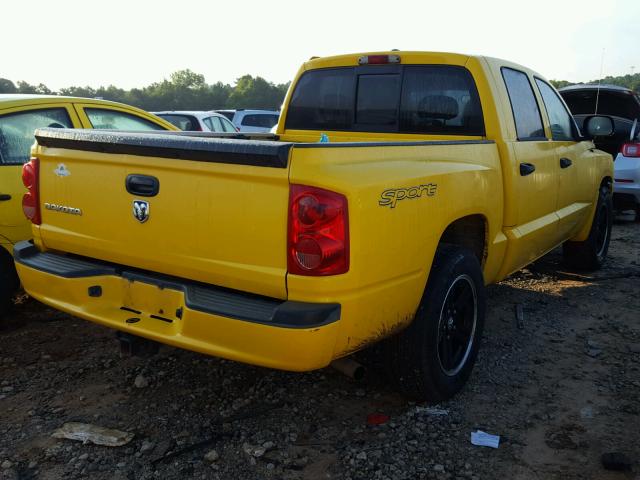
{"points": [[626, 193], [252, 121], [623, 105], [20, 115], [400, 185], [196, 121]]}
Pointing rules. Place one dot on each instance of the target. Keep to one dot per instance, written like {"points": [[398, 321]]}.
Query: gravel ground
{"points": [[561, 388]]}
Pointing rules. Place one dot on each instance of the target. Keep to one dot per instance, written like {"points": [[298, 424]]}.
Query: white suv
{"points": [[252, 121]]}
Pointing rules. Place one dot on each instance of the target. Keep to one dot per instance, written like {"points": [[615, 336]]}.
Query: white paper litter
{"points": [[87, 433], [432, 411], [484, 439]]}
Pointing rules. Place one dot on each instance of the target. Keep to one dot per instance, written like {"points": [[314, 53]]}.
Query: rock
{"points": [[7, 389], [84, 456], [6, 465], [32, 464], [634, 348], [141, 382], [268, 445], [361, 456], [616, 461], [147, 446], [586, 412], [438, 468], [253, 450], [211, 456]]}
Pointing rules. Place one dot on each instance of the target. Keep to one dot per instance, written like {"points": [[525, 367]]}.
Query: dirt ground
{"points": [[561, 388]]}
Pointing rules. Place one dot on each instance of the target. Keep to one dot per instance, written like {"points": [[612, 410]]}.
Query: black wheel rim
{"points": [[602, 232], [457, 325]]}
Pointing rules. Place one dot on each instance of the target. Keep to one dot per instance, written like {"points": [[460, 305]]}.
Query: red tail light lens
{"points": [[631, 150], [31, 199], [318, 242]]}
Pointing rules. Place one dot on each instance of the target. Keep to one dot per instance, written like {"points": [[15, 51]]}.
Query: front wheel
{"points": [[433, 357], [591, 253]]}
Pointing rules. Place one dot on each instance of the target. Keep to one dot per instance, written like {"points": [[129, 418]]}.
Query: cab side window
{"points": [[526, 113], [562, 127], [16, 132], [102, 118]]}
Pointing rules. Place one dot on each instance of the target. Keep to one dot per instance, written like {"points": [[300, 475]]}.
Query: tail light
{"points": [[318, 240], [31, 199], [631, 150]]}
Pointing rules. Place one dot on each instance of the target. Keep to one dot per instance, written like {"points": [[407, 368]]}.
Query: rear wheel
{"points": [[9, 283], [591, 253], [433, 357]]}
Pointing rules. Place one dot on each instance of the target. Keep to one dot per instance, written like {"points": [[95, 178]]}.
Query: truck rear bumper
{"points": [[264, 331]]}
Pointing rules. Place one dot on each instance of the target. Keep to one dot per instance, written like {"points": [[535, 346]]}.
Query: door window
{"points": [[214, 124], [562, 126], [526, 113], [16, 131], [106, 119], [228, 126]]}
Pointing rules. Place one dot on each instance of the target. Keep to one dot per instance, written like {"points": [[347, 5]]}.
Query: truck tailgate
{"points": [[219, 215]]}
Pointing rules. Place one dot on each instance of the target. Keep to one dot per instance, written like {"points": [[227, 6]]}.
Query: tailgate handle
{"points": [[142, 185], [4, 197], [527, 169]]}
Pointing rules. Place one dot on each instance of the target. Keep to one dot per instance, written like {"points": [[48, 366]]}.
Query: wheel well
{"points": [[8, 269], [468, 232]]}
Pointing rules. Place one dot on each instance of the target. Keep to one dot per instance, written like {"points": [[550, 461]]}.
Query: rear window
{"points": [[263, 120], [183, 122], [624, 105], [435, 99]]}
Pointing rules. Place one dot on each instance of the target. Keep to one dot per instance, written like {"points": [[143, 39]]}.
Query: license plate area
{"points": [[153, 301]]}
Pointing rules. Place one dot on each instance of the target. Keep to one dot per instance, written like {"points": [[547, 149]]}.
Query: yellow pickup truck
{"points": [[20, 115], [397, 185]]}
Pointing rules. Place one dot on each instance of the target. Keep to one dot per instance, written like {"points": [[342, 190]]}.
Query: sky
{"points": [[137, 42]]}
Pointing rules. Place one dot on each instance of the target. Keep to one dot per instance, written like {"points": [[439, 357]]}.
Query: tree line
{"points": [[183, 90], [187, 90], [628, 81]]}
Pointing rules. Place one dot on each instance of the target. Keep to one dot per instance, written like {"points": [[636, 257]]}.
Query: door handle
{"points": [[142, 185], [565, 162], [4, 197], [527, 169]]}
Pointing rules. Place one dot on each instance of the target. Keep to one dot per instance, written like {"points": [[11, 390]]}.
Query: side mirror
{"points": [[598, 126]]}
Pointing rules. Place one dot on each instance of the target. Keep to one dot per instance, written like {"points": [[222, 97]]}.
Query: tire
{"points": [[637, 217], [423, 358], [9, 284], [590, 254]]}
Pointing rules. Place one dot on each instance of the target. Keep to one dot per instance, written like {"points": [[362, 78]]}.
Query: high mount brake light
{"points": [[31, 199], [631, 150], [378, 59], [318, 237]]}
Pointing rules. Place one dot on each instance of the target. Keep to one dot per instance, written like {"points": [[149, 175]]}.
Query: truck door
{"points": [[575, 165], [531, 177], [17, 125]]}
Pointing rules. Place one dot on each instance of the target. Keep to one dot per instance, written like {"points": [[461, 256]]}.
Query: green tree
{"points": [[41, 88], [250, 92], [7, 86]]}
